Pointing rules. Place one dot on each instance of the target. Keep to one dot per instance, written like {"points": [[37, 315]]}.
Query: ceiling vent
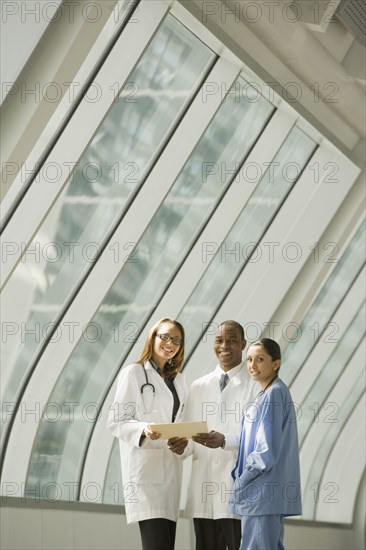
{"points": [[353, 14]]}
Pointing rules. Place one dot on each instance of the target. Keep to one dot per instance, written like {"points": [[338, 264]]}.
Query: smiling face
{"points": [[166, 349], [228, 346], [261, 367]]}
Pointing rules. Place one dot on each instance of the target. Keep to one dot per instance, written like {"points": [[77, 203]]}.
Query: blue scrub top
{"points": [[267, 471]]}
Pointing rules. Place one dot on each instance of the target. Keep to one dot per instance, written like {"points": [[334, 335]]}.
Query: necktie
{"points": [[223, 380]]}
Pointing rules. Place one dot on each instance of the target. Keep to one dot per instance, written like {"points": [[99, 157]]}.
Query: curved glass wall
{"points": [[107, 176], [58, 449], [330, 372], [333, 292], [324, 450], [339, 413], [107, 179], [320, 313]]}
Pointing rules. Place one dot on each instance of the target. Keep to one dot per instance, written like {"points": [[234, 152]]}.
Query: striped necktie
{"points": [[223, 380]]}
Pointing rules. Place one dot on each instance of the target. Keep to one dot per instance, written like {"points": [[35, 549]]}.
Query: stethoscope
{"points": [[149, 386], [144, 387]]}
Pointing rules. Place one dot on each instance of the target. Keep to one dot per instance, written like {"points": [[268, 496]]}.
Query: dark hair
{"points": [[237, 326], [147, 352], [270, 346]]}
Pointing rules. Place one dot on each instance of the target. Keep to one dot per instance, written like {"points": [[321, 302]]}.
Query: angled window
{"points": [[107, 177]]}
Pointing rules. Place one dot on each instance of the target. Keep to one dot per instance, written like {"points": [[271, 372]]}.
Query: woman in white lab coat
{"points": [[151, 391]]}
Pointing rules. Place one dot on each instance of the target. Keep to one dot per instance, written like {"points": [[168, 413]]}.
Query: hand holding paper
{"points": [[150, 433], [179, 429], [213, 440], [177, 444]]}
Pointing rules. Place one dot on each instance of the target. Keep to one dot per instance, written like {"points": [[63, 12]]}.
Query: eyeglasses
{"points": [[166, 338]]}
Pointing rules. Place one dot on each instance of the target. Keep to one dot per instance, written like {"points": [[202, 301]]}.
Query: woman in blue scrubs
{"points": [[267, 473]]}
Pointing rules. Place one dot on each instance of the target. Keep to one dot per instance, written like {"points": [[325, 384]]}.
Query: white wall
{"points": [[28, 526], [34, 528], [26, 19]]}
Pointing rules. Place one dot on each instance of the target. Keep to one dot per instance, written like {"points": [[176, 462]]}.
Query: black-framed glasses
{"points": [[167, 338]]}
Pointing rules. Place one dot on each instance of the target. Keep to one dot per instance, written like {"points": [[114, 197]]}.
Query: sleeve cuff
{"points": [[231, 442]]}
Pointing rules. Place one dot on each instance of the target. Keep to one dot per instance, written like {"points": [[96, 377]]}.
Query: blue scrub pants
{"points": [[262, 532]]}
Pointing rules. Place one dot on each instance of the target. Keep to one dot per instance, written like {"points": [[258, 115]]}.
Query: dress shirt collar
{"points": [[231, 373], [155, 366]]}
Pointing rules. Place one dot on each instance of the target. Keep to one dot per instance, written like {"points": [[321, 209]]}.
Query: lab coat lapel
{"points": [[180, 386], [158, 381]]}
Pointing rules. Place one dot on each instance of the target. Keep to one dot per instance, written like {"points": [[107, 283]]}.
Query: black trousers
{"points": [[157, 534], [217, 534]]}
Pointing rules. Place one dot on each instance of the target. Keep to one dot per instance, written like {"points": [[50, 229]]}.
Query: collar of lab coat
{"points": [[159, 382]]}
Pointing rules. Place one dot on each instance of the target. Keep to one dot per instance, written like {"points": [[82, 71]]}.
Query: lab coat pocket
{"points": [[148, 466]]}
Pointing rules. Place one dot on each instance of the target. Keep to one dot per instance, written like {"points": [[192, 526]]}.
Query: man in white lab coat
{"points": [[220, 398]]}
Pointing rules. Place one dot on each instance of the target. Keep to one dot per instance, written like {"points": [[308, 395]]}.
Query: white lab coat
{"points": [[211, 482], [151, 474]]}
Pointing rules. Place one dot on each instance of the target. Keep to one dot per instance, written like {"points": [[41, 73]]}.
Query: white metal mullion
{"points": [[107, 268], [327, 344], [42, 193], [340, 231], [98, 455], [64, 106], [227, 212], [302, 218]]}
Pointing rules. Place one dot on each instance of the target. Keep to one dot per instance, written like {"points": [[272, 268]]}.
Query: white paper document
{"points": [[180, 429]]}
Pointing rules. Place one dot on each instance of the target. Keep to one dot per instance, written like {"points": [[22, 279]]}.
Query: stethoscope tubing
{"points": [[147, 383]]}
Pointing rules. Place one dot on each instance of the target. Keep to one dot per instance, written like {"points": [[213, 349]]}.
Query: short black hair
{"points": [[237, 325]]}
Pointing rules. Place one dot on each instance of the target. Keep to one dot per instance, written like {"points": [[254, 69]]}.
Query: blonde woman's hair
{"points": [[177, 361]]}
